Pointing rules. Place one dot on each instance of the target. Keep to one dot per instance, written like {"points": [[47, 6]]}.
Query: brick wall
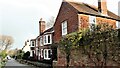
{"points": [[100, 20], [67, 12]]}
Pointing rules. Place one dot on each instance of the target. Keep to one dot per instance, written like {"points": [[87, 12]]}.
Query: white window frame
{"points": [[64, 28], [39, 55], [47, 57], [31, 54], [36, 42], [92, 20], [31, 43], [117, 24], [41, 41], [41, 52], [46, 39]]}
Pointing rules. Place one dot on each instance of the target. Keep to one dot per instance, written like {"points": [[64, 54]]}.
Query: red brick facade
{"points": [[67, 12], [75, 21]]}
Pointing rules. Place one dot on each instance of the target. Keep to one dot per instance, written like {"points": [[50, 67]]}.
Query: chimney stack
{"points": [[102, 7], [118, 13], [41, 26], [119, 8]]}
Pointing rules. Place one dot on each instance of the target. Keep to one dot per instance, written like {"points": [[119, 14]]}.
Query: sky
{"points": [[20, 18]]}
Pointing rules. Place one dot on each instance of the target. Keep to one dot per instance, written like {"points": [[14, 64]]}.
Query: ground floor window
{"points": [[32, 53], [41, 52], [47, 54]]}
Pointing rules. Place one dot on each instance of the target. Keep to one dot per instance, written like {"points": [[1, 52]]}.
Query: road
{"points": [[14, 64]]}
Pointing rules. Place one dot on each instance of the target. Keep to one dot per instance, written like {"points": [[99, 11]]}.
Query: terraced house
{"points": [[74, 16], [42, 50]]}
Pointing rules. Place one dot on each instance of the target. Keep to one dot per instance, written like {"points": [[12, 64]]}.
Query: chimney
{"points": [[41, 26], [119, 8], [102, 7], [118, 13]]}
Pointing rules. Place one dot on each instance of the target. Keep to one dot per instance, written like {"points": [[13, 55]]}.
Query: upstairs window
{"points": [[41, 41], [32, 43], [47, 39], [36, 42], [117, 24], [92, 21], [64, 28]]}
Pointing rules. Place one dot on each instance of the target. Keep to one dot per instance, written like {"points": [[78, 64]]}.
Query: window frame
{"points": [[41, 41], [92, 21], [41, 52], [46, 55], [32, 43], [46, 38], [64, 27]]}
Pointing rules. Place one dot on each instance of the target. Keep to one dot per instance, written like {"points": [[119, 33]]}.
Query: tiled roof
{"points": [[48, 30], [90, 9]]}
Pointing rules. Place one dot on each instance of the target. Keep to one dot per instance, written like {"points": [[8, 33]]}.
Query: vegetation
{"points": [[69, 42], [100, 45], [26, 55], [50, 22], [19, 54], [3, 54], [5, 42]]}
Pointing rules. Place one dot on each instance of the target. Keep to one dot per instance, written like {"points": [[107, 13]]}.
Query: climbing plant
{"points": [[100, 44]]}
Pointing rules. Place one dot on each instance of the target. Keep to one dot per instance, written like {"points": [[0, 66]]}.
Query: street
{"points": [[14, 64]]}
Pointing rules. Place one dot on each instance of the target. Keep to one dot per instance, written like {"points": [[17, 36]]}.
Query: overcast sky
{"points": [[20, 18]]}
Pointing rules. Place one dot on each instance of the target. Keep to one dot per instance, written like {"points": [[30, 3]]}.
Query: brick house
{"points": [[74, 16], [42, 49]]}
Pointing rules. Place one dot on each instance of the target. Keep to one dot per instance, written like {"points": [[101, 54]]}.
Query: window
{"points": [[36, 51], [47, 54], [32, 43], [41, 52], [32, 53], [47, 39], [92, 21], [117, 24], [64, 28], [41, 41], [36, 42]]}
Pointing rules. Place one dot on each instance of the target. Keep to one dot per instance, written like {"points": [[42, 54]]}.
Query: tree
{"points": [[26, 55], [102, 45], [5, 42], [68, 43], [51, 22], [3, 54], [19, 54]]}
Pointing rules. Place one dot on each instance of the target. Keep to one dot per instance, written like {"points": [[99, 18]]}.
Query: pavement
{"points": [[14, 64]]}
